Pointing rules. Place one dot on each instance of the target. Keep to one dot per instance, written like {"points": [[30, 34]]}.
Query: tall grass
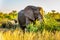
{"points": [[18, 35]]}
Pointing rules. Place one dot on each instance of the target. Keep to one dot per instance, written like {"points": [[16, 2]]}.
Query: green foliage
{"points": [[32, 27], [35, 27], [49, 24], [10, 16]]}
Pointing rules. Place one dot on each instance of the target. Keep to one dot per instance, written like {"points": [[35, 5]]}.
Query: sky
{"points": [[48, 5]]}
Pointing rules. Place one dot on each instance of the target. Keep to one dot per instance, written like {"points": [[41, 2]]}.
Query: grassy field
{"points": [[19, 35], [47, 30]]}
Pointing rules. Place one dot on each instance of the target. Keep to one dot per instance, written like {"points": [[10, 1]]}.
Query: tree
{"points": [[13, 14], [53, 11]]}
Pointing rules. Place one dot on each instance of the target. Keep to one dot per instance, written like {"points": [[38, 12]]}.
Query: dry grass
{"points": [[18, 35]]}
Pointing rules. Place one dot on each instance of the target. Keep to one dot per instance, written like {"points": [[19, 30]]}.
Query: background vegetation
{"points": [[49, 29]]}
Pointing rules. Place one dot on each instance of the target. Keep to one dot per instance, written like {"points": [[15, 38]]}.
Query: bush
{"points": [[32, 27], [49, 24], [8, 25], [35, 27]]}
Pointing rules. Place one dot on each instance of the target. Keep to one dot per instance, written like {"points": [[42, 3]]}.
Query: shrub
{"points": [[8, 25], [49, 24]]}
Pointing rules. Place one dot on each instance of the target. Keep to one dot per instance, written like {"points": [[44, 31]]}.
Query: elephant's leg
{"points": [[23, 27], [22, 24]]}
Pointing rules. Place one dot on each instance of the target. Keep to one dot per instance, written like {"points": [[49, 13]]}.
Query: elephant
{"points": [[29, 14]]}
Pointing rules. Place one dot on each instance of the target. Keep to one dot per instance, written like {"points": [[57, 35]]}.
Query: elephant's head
{"points": [[40, 14], [33, 12]]}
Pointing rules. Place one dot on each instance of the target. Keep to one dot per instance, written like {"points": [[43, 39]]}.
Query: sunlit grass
{"points": [[18, 35]]}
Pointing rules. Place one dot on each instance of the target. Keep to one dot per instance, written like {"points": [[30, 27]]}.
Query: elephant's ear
{"points": [[41, 11], [29, 14]]}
